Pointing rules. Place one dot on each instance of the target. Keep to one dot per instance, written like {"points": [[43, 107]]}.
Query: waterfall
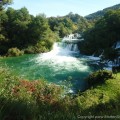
{"points": [[69, 42], [71, 47], [75, 48], [63, 48]]}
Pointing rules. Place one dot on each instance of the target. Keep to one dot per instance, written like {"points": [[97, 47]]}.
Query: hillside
{"points": [[102, 36], [68, 24], [101, 13], [41, 101]]}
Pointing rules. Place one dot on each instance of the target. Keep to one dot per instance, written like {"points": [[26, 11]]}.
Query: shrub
{"points": [[18, 95], [29, 50], [36, 49], [37, 100], [14, 52], [98, 77], [115, 69]]}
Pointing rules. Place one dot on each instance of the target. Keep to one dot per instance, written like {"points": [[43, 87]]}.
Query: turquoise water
{"points": [[56, 67]]}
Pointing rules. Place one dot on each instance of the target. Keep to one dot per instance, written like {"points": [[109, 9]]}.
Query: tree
{"points": [[70, 23], [3, 33], [3, 19], [17, 26], [103, 34], [110, 54], [3, 3], [39, 34]]}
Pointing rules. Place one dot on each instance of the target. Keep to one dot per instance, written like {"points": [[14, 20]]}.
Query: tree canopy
{"points": [[103, 35], [3, 3], [70, 23], [24, 31]]}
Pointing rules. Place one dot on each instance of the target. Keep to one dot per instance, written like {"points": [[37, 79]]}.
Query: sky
{"points": [[63, 7]]}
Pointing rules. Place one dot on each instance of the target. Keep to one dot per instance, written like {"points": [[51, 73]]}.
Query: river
{"points": [[63, 62]]}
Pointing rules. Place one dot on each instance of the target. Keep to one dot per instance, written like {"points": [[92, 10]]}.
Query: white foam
{"points": [[61, 59], [94, 58], [117, 45]]}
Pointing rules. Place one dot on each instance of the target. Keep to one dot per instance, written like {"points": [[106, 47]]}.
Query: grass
{"points": [[37, 100]]}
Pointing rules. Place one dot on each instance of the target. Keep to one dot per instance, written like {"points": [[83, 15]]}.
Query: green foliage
{"points": [[103, 35], [40, 34], [68, 24], [17, 27], [29, 50], [14, 52], [40, 100], [61, 26], [98, 77], [3, 33], [110, 54], [36, 34], [20, 29], [4, 3], [99, 14], [18, 95]]}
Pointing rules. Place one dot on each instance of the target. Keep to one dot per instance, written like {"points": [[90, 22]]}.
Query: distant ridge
{"points": [[100, 13]]}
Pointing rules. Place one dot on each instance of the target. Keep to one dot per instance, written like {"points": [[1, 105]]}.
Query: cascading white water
{"points": [[70, 42], [62, 61], [61, 51], [69, 46], [63, 56]]}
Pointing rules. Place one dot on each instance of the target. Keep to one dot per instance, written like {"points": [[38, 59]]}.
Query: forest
{"points": [[21, 32], [103, 36], [24, 32], [101, 13]]}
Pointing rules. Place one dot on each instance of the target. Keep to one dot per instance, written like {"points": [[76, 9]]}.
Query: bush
{"points": [[29, 50], [32, 97], [36, 49], [115, 69], [14, 52], [98, 77], [37, 100]]}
